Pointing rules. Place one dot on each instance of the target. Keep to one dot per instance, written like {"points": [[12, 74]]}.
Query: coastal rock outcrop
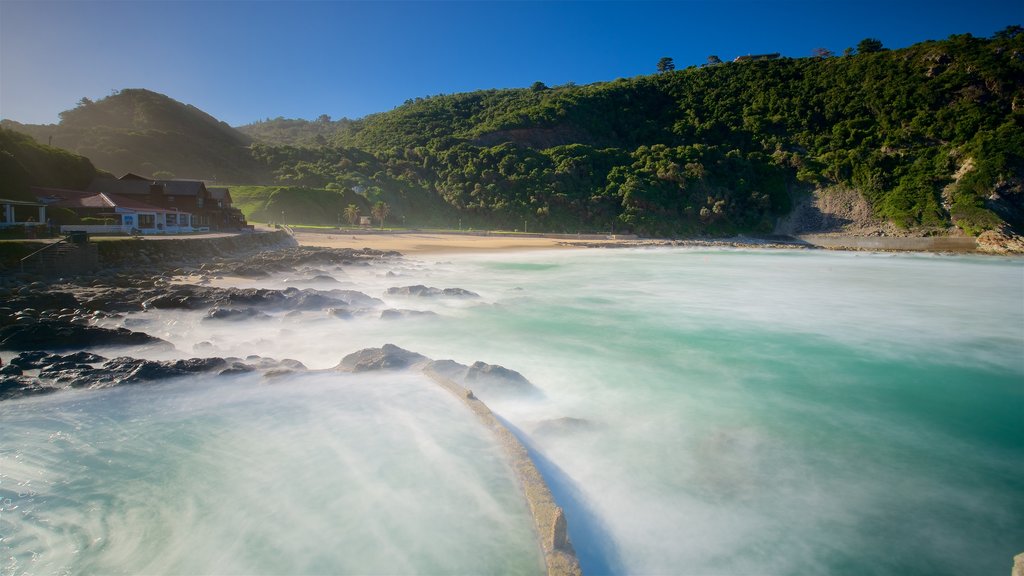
{"points": [[1000, 242], [489, 381], [427, 291], [85, 370], [387, 357], [52, 334]]}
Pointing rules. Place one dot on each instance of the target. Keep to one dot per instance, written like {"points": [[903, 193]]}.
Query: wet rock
{"points": [[237, 368], [292, 364], [11, 370], [395, 314], [62, 335], [20, 386], [31, 360], [387, 357], [422, 291], [342, 313], [234, 315], [126, 370], [356, 298], [564, 426], [205, 345], [487, 380]]}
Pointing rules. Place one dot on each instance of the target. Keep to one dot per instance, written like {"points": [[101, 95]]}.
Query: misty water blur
{"points": [[313, 474], [720, 411]]}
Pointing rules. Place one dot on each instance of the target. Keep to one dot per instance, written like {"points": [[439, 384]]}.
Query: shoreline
{"points": [[414, 242]]}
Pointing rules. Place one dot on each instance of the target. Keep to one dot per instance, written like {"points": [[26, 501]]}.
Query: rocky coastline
{"points": [[50, 327]]}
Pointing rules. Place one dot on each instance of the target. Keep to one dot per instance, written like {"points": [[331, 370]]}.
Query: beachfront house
{"points": [[134, 204], [103, 213]]}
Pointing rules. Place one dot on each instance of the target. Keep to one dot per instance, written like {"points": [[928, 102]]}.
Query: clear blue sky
{"points": [[246, 61]]}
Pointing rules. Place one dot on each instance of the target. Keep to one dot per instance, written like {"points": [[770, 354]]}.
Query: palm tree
{"points": [[352, 214], [381, 210]]}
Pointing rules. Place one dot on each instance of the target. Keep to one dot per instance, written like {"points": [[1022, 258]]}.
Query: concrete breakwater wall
{"points": [[147, 252], [549, 519]]}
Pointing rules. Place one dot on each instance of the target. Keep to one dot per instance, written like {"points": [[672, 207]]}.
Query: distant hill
{"points": [[141, 131]]}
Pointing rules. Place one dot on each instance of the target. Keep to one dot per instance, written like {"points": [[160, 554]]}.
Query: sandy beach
{"points": [[433, 242]]}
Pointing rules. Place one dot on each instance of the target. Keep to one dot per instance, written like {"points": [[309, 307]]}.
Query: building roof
{"points": [[133, 186], [132, 176], [60, 198], [19, 202], [220, 194]]}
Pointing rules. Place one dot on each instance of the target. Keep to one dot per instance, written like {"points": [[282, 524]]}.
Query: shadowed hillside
{"points": [[137, 130]]}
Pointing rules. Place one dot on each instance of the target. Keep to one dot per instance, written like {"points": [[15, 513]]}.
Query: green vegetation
{"points": [[931, 135], [295, 204], [710, 150], [25, 163]]}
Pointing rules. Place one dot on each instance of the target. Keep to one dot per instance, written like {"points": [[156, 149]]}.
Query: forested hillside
{"points": [[141, 131], [932, 136]]}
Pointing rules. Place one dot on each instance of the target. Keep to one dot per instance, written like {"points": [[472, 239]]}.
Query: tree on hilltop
{"points": [[869, 45], [1010, 32], [538, 86], [666, 65], [822, 53], [714, 60]]}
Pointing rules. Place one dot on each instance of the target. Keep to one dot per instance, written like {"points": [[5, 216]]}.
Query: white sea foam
{"points": [[703, 411]]}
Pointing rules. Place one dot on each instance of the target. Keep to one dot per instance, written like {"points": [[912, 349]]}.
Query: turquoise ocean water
{"points": [[703, 411]]}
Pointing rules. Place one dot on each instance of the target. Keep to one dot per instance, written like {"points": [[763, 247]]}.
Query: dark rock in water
{"points": [[11, 370], [125, 370], [426, 291], [394, 314], [60, 335], [20, 386], [342, 313], [85, 358], [237, 368], [458, 293], [311, 300], [234, 314], [486, 380], [34, 359], [201, 346], [356, 298], [318, 279], [563, 426], [292, 364], [386, 357]]}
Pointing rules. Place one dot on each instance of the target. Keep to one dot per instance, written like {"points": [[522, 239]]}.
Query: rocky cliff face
{"points": [[836, 210]]}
